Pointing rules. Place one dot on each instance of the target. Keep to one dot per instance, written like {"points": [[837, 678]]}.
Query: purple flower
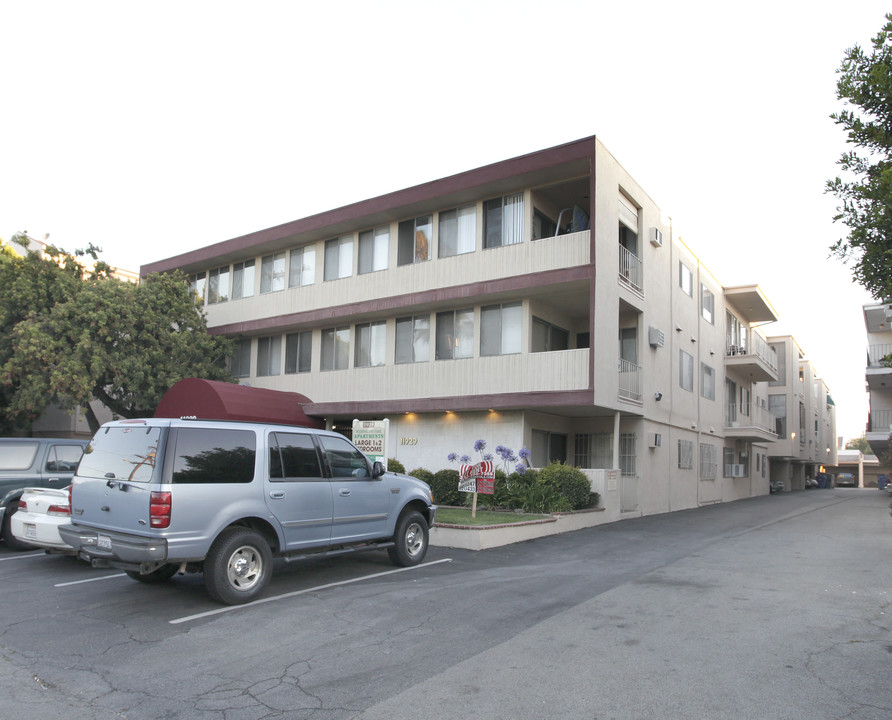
{"points": [[500, 450], [523, 454], [452, 457], [465, 459], [488, 456], [479, 445], [520, 469]]}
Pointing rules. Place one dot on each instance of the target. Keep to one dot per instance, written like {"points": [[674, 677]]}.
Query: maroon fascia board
{"points": [[532, 162], [409, 300]]}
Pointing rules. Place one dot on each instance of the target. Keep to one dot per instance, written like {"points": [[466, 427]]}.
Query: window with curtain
{"points": [[269, 355], [455, 334], [413, 339], [500, 329], [374, 248], [686, 371], [414, 240], [370, 344], [548, 337], [302, 266], [457, 231], [298, 351], [243, 279], [707, 381], [240, 362], [198, 287], [272, 273], [338, 258], [218, 285], [335, 348], [503, 221]]}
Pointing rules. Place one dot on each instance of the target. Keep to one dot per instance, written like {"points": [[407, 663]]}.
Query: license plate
{"points": [[31, 531], [103, 542]]}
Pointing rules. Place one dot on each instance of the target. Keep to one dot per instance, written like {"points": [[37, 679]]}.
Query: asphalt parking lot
{"points": [[774, 607]]}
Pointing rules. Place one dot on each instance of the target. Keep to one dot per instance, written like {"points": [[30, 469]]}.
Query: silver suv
{"points": [[157, 497]]}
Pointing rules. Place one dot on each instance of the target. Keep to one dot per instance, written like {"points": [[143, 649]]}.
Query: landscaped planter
{"points": [[482, 537]]}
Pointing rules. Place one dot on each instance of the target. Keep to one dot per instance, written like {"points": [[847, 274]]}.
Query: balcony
{"points": [[749, 422], [756, 359], [879, 430], [629, 381], [631, 270]]}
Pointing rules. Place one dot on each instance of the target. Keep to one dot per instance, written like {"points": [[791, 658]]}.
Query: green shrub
{"points": [[569, 482], [394, 465], [444, 484], [540, 498]]}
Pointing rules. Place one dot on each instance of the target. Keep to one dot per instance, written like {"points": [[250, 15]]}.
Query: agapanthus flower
{"points": [[479, 445], [452, 457], [523, 454], [465, 459]]}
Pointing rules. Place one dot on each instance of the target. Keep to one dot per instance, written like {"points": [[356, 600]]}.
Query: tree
{"points": [[865, 84], [859, 443], [70, 336]]}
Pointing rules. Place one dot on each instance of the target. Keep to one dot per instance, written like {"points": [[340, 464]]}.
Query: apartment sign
{"points": [[370, 436], [479, 478]]}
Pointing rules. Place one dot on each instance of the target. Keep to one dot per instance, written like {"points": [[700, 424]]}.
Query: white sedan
{"points": [[40, 513]]}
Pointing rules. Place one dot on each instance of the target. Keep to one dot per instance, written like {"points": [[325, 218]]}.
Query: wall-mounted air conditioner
{"points": [[655, 440], [737, 471], [656, 237], [656, 337]]}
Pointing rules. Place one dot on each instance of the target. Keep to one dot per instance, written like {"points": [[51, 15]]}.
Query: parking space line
{"points": [[218, 611], [96, 579], [21, 557]]}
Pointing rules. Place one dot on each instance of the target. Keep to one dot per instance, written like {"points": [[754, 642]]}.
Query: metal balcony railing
{"points": [[757, 346], [630, 269], [748, 415], [876, 353], [629, 380], [881, 421]]}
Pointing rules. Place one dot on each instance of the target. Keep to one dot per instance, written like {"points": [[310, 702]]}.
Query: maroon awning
{"points": [[214, 400]]}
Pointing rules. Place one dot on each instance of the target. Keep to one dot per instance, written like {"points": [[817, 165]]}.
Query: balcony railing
{"points": [[756, 346], [881, 421], [630, 269], [748, 415], [876, 353], [629, 380]]}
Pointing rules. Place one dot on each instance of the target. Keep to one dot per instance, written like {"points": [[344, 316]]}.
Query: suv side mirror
{"points": [[378, 469]]}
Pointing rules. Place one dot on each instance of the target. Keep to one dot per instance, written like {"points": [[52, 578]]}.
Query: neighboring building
{"points": [[540, 302], [865, 468], [805, 415], [878, 321]]}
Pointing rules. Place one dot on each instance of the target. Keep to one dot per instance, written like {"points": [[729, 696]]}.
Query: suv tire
{"points": [[410, 539], [238, 566]]}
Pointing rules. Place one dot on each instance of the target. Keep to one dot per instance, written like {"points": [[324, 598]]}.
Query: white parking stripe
{"points": [[80, 582], [303, 592], [19, 557]]}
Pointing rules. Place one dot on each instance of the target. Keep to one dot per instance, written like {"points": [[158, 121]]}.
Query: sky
{"points": [[151, 129]]}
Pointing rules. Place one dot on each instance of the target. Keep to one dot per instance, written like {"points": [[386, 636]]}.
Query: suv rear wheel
{"points": [[410, 539], [238, 566]]}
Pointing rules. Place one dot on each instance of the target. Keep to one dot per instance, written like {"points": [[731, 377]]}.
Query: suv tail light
{"points": [[159, 513]]}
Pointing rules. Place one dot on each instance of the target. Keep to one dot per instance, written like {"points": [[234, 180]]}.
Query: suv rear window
{"points": [[17, 455], [121, 453], [206, 455]]}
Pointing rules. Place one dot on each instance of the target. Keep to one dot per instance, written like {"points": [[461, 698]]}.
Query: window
{"points": [[500, 329], [339, 258], [707, 304], [413, 243], [548, 337], [745, 401], [707, 381], [218, 285], [243, 279], [685, 455], [298, 351], [543, 226], [730, 400], [547, 447], [240, 363], [370, 344], [685, 279], [503, 221], [197, 286], [214, 456], [708, 461], [293, 455], [686, 371], [777, 406], [628, 344], [374, 249], [269, 355], [781, 365], [735, 335], [272, 273], [627, 454], [593, 451], [62, 458], [727, 461], [457, 231], [302, 266], [413, 339], [336, 348], [455, 334]]}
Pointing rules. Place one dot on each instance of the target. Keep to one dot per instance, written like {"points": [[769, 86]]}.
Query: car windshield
{"points": [[121, 453]]}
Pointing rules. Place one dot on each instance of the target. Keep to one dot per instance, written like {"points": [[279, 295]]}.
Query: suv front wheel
{"points": [[410, 539], [238, 566]]}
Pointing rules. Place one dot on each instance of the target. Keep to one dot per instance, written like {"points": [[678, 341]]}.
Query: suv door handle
{"points": [[277, 494], [344, 492]]}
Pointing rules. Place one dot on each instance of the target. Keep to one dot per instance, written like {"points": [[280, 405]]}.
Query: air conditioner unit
{"points": [[737, 471], [656, 440], [656, 337], [656, 237]]}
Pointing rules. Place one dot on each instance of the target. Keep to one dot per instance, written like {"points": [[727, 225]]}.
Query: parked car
{"points": [[40, 513], [156, 497], [776, 486], [846, 480], [33, 462]]}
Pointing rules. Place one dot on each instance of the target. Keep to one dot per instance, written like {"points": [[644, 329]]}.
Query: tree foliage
{"points": [[68, 336], [865, 85]]}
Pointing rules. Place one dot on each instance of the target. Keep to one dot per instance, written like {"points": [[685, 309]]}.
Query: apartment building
{"points": [[540, 302], [878, 322]]}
